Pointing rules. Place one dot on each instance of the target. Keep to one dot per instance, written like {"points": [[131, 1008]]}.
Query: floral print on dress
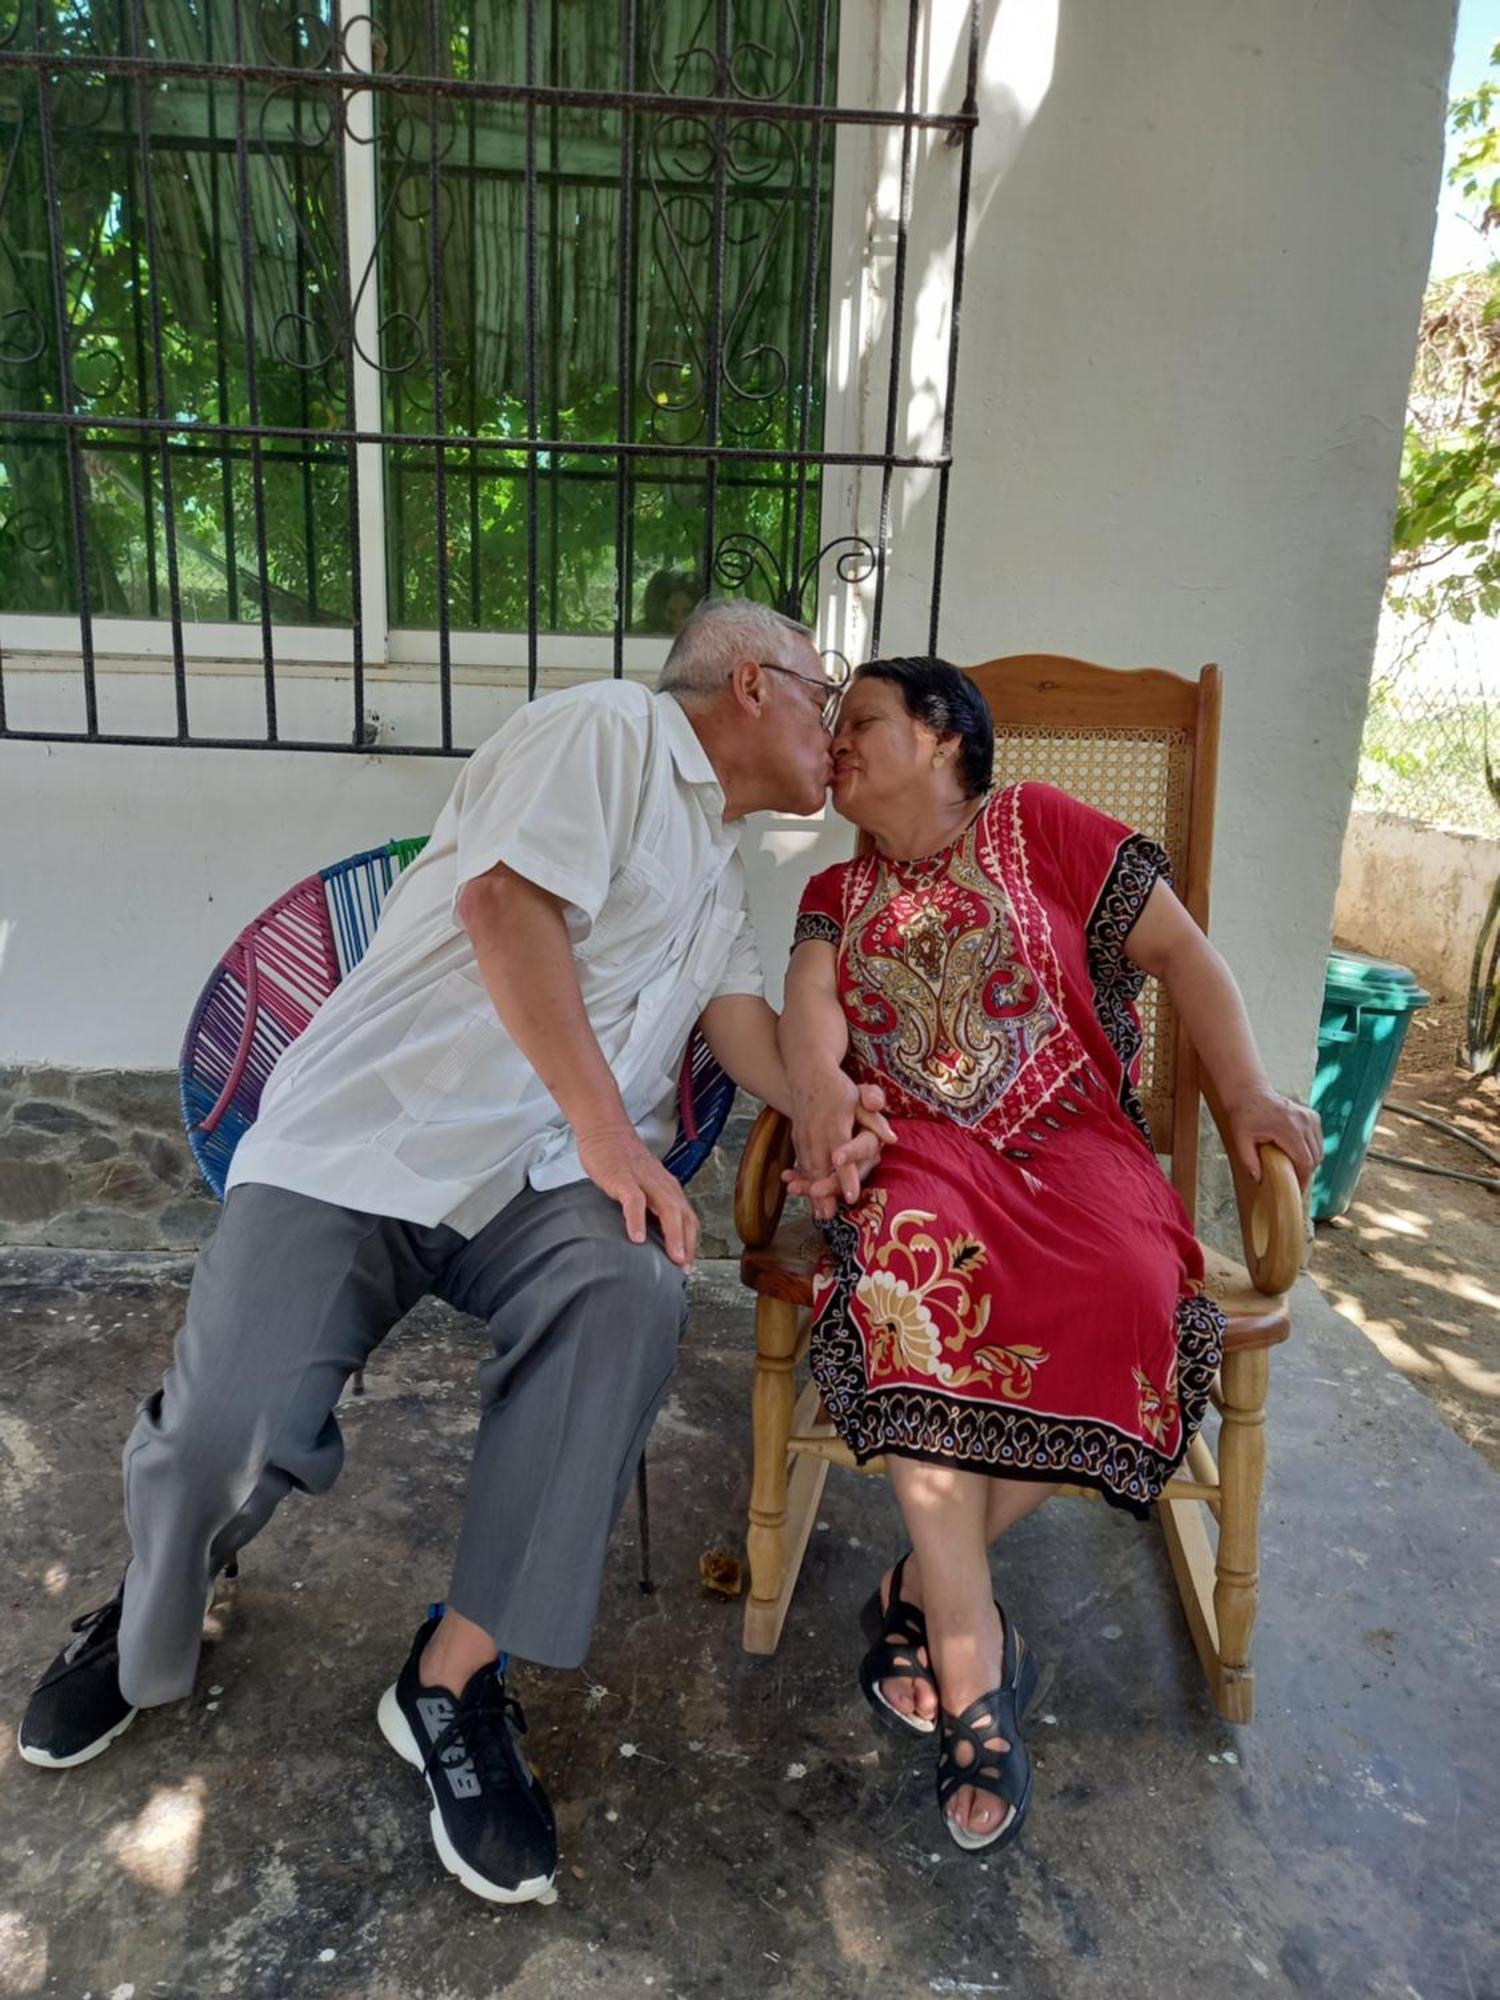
{"points": [[917, 1309]]}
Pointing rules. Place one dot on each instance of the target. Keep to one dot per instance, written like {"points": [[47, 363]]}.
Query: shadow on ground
{"points": [[1415, 1262], [735, 1826]]}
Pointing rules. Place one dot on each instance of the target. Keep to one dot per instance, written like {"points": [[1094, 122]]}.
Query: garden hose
{"points": [[1452, 1131]]}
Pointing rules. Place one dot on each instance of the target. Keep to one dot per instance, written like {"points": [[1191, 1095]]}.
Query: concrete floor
{"points": [[732, 1826]]}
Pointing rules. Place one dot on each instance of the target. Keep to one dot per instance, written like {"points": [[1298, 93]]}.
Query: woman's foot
{"points": [[969, 1664], [906, 1694]]}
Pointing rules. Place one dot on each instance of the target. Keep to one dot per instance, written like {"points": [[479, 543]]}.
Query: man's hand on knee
{"points": [[617, 1162]]}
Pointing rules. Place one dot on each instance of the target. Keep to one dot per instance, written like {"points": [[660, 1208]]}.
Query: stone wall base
{"points": [[97, 1160]]}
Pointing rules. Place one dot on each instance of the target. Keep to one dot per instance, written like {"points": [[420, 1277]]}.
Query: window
{"points": [[490, 317]]}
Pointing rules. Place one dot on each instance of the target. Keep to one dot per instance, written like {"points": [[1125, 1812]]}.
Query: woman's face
{"points": [[679, 607], [882, 756]]}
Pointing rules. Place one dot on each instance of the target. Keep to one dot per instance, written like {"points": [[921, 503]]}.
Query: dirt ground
{"points": [[1416, 1260]]}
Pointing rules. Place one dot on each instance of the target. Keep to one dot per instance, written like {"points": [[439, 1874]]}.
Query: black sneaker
{"points": [[491, 1821], [77, 1709]]}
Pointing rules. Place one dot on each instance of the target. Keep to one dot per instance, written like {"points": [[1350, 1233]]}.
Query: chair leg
{"points": [[777, 1330], [643, 1515], [1242, 1469]]}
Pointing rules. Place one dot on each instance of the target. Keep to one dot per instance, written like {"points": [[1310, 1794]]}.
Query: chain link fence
{"points": [[1434, 713]]}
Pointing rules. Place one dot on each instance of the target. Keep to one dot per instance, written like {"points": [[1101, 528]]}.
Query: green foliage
{"points": [[1448, 508], [163, 306], [1445, 561], [1476, 170]]}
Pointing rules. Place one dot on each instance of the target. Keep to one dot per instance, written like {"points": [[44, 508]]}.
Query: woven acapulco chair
{"points": [[279, 971], [1142, 746]]}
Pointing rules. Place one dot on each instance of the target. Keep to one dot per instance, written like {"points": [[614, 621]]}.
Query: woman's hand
{"points": [[1263, 1117], [850, 1164], [853, 1165], [826, 1116]]}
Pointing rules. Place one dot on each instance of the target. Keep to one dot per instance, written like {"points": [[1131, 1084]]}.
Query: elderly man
{"points": [[478, 1111]]}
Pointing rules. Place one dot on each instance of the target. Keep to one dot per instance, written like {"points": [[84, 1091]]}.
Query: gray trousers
{"points": [[291, 1296]]}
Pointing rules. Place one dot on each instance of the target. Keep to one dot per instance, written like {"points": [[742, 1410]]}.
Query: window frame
{"points": [[873, 169]]}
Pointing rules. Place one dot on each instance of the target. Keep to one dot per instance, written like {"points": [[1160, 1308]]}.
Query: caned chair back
{"points": [[1142, 746]]}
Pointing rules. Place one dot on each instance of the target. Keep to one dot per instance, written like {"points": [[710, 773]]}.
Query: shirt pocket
{"points": [[431, 1066], [640, 900], [669, 1006]]}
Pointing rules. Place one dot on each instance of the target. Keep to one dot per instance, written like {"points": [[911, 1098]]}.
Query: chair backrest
{"points": [[1143, 746], [283, 966]]}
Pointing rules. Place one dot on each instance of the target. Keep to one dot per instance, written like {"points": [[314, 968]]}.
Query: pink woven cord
{"points": [[247, 1038], [304, 899], [686, 1112]]}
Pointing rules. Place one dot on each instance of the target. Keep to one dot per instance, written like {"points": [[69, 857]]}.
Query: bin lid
{"points": [[1357, 980]]}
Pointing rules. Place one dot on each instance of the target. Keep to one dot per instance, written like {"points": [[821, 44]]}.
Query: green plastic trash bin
{"points": [[1367, 1007]]}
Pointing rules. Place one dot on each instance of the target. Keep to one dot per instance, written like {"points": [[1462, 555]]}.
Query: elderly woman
{"points": [[1013, 1299]]}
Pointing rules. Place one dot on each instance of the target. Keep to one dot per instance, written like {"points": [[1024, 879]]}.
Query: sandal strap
{"points": [[1004, 1774], [901, 1616], [1001, 1773], [903, 1629]]}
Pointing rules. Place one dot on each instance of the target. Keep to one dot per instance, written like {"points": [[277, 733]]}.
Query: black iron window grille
{"points": [[335, 340]]}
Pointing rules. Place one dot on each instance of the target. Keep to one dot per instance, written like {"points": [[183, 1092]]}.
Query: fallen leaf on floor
{"points": [[721, 1573]]}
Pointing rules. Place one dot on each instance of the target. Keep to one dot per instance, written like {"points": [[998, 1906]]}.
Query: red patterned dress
{"points": [[1017, 1292]]}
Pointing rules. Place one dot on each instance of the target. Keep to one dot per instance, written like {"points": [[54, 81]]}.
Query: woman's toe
{"points": [[977, 1813]]}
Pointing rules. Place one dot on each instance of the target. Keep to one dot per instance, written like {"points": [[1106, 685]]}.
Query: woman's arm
{"points": [[741, 1029], [1166, 943]]}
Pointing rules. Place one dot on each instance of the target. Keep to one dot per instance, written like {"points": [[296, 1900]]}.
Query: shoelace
{"points": [[97, 1630], [479, 1729]]}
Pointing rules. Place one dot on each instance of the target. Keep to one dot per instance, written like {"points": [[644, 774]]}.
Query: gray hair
{"points": [[720, 633]]}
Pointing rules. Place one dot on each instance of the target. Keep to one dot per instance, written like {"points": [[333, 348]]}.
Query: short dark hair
{"points": [[666, 584], [947, 701]]}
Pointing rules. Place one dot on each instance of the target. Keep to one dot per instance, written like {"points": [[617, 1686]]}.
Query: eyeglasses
{"points": [[828, 700]]}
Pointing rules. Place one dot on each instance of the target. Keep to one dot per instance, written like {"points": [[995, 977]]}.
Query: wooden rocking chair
{"points": [[1142, 746]]}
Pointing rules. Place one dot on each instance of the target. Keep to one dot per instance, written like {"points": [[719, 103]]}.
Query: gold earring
{"points": [[939, 757]]}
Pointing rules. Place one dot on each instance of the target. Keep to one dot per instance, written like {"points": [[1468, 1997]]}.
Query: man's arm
{"points": [[1167, 943], [525, 958], [814, 1040]]}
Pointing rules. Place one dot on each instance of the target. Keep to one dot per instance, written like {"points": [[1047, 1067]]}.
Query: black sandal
{"points": [[1005, 1775], [896, 1635]]}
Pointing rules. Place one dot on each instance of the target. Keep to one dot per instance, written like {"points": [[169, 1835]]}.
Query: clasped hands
{"points": [[838, 1130]]}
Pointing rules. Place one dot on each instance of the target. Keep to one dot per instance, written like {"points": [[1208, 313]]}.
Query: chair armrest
{"points": [[1273, 1221], [758, 1190]]}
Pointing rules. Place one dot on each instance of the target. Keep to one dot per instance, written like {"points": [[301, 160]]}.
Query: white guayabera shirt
{"points": [[405, 1096]]}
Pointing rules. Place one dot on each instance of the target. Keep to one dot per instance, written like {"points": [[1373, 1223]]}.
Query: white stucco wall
{"points": [[1417, 894], [1200, 239]]}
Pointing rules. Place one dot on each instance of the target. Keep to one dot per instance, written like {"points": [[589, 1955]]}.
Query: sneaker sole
{"points": [[100, 1744], [396, 1730]]}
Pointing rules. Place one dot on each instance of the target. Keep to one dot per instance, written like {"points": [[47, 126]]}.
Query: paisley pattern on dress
{"points": [[941, 1000]]}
